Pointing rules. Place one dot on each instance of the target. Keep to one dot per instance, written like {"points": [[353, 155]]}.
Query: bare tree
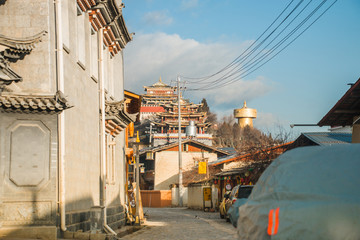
{"points": [[247, 139]]}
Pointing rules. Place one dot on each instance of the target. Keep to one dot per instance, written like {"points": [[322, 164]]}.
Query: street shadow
{"points": [[40, 220]]}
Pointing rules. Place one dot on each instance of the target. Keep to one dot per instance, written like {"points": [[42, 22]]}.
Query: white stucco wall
{"points": [[29, 177], [23, 18], [196, 197], [167, 166]]}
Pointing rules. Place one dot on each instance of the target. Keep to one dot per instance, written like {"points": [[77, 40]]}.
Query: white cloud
{"points": [[158, 18], [267, 121], [279, 128], [239, 92], [150, 56], [186, 4]]}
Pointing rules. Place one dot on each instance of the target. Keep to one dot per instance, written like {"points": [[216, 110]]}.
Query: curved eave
{"points": [[118, 22], [163, 95], [34, 103], [165, 87], [126, 35], [25, 44], [183, 123], [113, 19], [115, 123], [182, 115]]}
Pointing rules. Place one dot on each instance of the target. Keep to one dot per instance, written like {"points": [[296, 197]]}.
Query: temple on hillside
{"points": [[160, 105], [189, 112], [156, 95]]}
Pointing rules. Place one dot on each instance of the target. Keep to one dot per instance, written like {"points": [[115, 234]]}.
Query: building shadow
{"points": [[44, 223]]}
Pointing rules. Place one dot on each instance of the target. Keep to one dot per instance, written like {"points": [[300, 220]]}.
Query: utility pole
{"points": [[180, 157], [150, 138], [137, 220]]}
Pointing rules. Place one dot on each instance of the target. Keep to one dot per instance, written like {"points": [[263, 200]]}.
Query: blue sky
{"points": [[198, 37]]}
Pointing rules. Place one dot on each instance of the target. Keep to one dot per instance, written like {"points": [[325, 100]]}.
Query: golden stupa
{"points": [[245, 116]]}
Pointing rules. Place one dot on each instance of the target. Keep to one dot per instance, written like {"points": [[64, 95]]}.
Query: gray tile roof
{"points": [[116, 112], [174, 144], [328, 138], [224, 158], [10, 102]]}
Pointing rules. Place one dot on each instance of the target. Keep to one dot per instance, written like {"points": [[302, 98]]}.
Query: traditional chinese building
{"points": [[346, 112], [63, 117], [160, 105], [167, 126], [162, 166], [189, 112], [156, 95]]}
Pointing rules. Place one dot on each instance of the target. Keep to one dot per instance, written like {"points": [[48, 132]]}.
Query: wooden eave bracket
{"points": [[102, 15]]}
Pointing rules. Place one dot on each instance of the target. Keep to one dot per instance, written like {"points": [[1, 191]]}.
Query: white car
{"points": [[306, 193]]}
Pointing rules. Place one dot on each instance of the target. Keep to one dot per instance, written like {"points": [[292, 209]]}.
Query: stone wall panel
{"points": [[29, 153]]}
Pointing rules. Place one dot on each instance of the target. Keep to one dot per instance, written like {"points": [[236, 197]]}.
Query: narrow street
{"points": [[182, 223]]}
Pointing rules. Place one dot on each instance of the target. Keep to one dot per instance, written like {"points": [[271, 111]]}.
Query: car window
{"points": [[244, 192]]}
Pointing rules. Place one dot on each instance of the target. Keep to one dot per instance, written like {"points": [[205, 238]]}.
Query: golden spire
{"points": [[137, 137], [244, 104], [160, 79]]}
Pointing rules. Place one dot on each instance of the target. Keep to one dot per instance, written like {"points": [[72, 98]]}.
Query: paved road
{"points": [[181, 223]]}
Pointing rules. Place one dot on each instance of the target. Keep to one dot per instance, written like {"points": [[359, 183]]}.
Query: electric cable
{"points": [[216, 84], [230, 64], [238, 64], [230, 74]]}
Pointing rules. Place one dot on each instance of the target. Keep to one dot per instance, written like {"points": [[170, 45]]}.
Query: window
{"points": [[80, 20], [110, 159], [65, 23], [110, 74], [94, 54]]}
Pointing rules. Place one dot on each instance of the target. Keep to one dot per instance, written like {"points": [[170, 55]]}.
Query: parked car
{"points": [[233, 212], [239, 191], [306, 193]]}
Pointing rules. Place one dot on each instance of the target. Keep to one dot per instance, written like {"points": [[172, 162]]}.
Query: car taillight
{"points": [[234, 200]]}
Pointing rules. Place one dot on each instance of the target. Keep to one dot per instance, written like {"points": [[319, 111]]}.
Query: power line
{"points": [[239, 57], [246, 69], [232, 73], [249, 63]]}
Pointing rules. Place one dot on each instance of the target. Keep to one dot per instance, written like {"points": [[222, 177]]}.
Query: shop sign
{"points": [[207, 194], [202, 167]]}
